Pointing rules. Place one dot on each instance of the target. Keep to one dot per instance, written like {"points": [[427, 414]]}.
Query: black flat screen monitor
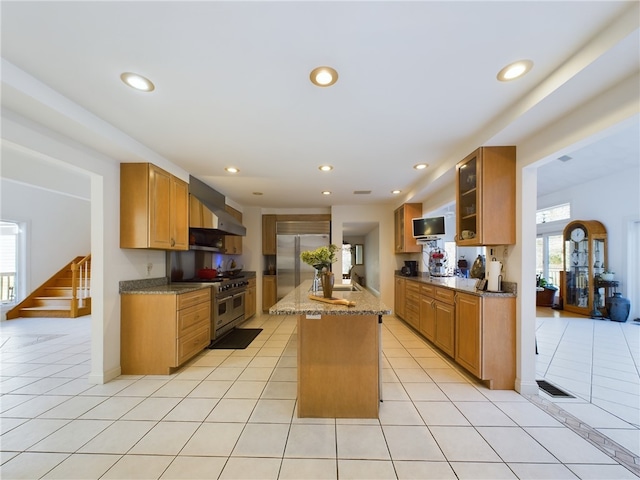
{"points": [[428, 227]]}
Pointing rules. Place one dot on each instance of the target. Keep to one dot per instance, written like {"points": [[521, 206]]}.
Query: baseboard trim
{"points": [[101, 378], [526, 388]]}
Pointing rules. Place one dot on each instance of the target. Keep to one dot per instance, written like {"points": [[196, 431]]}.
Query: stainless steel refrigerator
{"points": [[290, 269]]}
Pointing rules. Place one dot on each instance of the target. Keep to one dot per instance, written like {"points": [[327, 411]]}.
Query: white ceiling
{"points": [[417, 84]]}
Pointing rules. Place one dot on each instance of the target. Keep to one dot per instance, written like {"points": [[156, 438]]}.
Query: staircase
{"points": [[67, 294]]}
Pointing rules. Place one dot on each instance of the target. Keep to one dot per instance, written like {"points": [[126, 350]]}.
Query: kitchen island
{"points": [[339, 351]]}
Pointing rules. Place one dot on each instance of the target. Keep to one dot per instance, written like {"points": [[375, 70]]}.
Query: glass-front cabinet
{"points": [[485, 197], [585, 258], [468, 199]]}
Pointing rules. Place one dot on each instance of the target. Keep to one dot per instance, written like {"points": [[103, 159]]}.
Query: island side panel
{"points": [[338, 366]]}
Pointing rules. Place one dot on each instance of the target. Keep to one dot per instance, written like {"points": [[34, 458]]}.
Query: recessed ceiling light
{"points": [[326, 192], [514, 70], [323, 76], [396, 192], [232, 169], [325, 168], [421, 166], [137, 81]]}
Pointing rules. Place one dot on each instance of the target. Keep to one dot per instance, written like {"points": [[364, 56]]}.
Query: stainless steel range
{"points": [[227, 305]]}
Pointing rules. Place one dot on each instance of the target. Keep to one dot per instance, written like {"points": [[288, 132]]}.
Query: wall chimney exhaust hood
{"points": [[221, 221]]}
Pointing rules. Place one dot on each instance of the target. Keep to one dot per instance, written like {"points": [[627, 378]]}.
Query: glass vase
{"points": [[315, 288], [327, 284]]}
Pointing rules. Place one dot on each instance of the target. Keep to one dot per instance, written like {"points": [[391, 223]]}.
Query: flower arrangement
{"points": [[321, 258]]}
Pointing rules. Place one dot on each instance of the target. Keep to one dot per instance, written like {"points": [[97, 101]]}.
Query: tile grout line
{"points": [[600, 441]]}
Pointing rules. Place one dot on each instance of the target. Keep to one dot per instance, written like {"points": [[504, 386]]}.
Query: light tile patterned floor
{"points": [[232, 414]]}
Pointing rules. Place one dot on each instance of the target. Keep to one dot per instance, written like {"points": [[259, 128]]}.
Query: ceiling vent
{"points": [[362, 192]]}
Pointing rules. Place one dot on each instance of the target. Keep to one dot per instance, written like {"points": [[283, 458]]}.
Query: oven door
{"points": [[237, 305], [227, 311]]}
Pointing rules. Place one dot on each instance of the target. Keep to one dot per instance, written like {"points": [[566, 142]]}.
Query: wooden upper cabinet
{"points": [[154, 208], [179, 214], [403, 228], [269, 237], [195, 212], [233, 243], [486, 197]]}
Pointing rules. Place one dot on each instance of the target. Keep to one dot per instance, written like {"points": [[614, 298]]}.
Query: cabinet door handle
{"points": [[173, 242]]}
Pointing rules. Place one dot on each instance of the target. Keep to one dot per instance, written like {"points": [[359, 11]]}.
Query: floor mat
{"points": [[237, 339]]}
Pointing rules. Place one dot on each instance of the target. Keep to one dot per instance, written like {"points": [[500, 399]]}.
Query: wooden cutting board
{"points": [[333, 301]]}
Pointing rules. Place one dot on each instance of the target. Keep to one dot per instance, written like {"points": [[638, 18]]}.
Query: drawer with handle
{"points": [[445, 295], [186, 300], [193, 343], [193, 317]]}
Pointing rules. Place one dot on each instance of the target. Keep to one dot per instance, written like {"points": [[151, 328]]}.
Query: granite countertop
{"points": [[157, 286], [466, 285], [297, 302]]}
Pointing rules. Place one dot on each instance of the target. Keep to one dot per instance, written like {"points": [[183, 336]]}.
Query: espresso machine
{"points": [[410, 268]]}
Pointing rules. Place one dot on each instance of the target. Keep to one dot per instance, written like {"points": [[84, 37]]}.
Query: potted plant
{"points": [[545, 292], [321, 259]]}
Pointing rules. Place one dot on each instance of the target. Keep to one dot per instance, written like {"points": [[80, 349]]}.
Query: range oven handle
{"points": [[220, 300]]}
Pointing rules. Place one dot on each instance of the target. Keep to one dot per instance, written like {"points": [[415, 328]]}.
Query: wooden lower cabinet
{"points": [[444, 312], [400, 297], [427, 312], [269, 292], [160, 332], [445, 327], [468, 337], [485, 338], [250, 299], [477, 331], [412, 304]]}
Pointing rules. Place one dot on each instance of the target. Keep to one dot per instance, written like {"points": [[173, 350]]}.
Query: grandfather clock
{"points": [[585, 257]]}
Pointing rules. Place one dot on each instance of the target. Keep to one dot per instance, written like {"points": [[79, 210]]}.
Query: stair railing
{"points": [[80, 284]]}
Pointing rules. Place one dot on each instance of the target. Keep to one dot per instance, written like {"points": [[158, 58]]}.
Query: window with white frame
{"points": [[9, 241], [551, 221], [553, 214]]}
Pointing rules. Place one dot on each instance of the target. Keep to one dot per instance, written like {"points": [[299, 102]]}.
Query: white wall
{"points": [[372, 253], [57, 228]]}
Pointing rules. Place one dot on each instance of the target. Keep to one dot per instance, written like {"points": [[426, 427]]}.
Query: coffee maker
{"points": [[410, 268]]}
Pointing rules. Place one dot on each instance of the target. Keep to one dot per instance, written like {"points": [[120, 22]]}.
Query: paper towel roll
{"points": [[493, 276]]}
